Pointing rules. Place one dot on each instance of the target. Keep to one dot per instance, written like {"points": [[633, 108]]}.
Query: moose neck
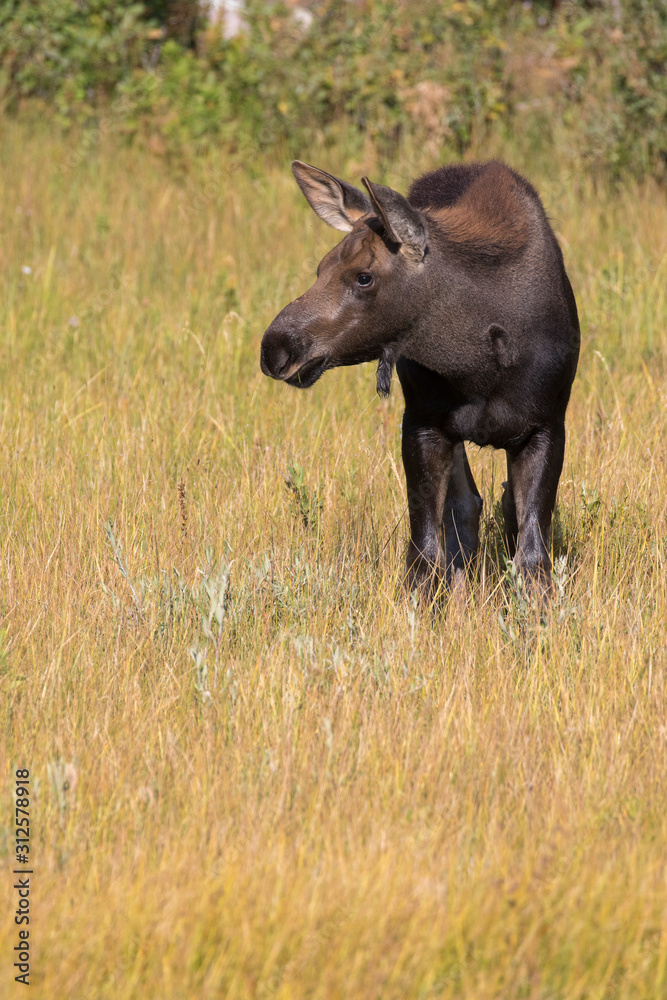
{"points": [[452, 301]]}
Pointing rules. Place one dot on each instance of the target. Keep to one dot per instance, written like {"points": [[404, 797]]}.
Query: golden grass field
{"points": [[260, 770]]}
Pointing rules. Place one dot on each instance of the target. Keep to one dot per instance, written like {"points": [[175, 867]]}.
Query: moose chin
{"points": [[461, 288]]}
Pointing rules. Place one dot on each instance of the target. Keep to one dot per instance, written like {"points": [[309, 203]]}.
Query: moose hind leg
{"points": [[509, 512], [535, 471], [463, 506], [427, 459]]}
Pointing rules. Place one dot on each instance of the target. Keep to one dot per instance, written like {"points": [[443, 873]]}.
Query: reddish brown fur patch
{"points": [[490, 217]]}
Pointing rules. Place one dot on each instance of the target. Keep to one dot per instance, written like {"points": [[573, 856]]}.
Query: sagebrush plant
{"points": [[369, 799], [215, 583], [308, 503]]}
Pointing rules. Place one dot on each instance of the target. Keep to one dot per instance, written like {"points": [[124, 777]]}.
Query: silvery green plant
{"points": [[523, 603], [215, 585]]}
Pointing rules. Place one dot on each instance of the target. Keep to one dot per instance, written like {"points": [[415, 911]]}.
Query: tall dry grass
{"points": [[259, 769]]}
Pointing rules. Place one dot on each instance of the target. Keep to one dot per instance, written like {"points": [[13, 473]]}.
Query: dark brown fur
{"points": [[462, 287]]}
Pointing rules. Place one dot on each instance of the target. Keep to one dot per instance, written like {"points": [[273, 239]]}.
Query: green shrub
{"points": [[639, 63], [383, 67], [71, 52], [184, 105]]}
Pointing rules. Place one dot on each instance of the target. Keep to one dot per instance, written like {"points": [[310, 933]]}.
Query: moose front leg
{"points": [[427, 459], [533, 481]]}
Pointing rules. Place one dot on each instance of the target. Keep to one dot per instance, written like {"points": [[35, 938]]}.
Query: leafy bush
{"points": [[69, 51], [639, 62], [382, 67], [185, 104]]}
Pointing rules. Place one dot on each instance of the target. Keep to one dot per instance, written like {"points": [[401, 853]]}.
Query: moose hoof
{"points": [[458, 585], [424, 578], [536, 579]]}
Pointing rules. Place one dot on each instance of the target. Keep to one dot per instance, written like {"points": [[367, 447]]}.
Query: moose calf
{"points": [[462, 287]]}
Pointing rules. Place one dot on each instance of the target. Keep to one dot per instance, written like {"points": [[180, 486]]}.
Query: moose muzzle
{"points": [[290, 357]]}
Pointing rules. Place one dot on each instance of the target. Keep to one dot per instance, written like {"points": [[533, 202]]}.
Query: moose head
{"points": [[366, 294]]}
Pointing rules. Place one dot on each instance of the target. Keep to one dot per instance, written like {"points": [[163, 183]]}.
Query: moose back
{"points": [[462, 288]]}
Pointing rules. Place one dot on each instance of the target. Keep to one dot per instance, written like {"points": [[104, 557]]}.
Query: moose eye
{"points": [[364, 279]]}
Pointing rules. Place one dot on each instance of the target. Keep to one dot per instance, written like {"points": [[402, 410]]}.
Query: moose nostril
{"points": [[280, 359], [275, 357]]}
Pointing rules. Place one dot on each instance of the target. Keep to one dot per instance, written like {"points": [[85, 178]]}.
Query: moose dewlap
{"points": [[461, 286]]}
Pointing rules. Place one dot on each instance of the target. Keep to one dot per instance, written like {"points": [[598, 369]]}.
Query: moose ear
{"points": [[337, 202], [402, 223]]}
